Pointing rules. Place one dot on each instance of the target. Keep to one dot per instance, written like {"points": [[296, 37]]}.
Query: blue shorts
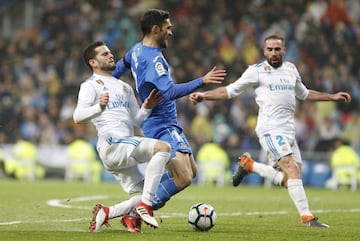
{"points": [[173, 135]]}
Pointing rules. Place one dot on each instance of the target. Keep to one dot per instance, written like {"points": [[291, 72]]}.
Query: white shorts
{"points": [[122, 157], [278, 145]]}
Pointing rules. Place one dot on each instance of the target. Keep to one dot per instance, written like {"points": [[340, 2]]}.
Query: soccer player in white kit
{"points": [[112, 107], [277, 85]]}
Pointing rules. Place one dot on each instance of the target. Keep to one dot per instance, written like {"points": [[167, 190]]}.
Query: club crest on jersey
{"points": [[100, 82], [267, 68], [159, 67], [284, 148]]}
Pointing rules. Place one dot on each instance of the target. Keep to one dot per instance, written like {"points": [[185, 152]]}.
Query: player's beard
{"points": [[277, 63], [108, 67], [163, 44], [163, 41]]}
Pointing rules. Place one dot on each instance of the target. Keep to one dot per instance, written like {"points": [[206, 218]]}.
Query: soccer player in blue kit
{"points": [[150, 70]]}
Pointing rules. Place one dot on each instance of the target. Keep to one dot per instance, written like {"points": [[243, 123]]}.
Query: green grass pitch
{"points": [[55, 210]]}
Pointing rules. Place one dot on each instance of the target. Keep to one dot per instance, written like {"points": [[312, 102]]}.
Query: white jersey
{"points": [[118, 148], [276, 91], [122, 111]]}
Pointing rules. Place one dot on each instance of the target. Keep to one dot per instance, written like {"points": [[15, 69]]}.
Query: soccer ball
{"points": [[202, 217]]}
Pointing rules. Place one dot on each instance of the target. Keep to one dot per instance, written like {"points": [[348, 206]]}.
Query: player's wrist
{"points": [[145, 109]]}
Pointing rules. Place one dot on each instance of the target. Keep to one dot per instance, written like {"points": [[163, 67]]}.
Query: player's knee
{"points": [[294, 170], [183, 180], [290, 167], [162, 146], [294, 173], [187, 180]]}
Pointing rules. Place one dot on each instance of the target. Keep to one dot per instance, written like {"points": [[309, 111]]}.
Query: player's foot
{"points": [[311, 221], [100, 217], [133, 224], [146, 214], [245, 167]]}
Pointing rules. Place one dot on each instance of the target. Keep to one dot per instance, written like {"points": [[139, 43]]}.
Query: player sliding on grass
{"points": [[277, 84], [111, 105]]}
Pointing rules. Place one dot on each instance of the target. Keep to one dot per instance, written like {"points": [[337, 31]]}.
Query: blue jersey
{"points": [[150, 70]]}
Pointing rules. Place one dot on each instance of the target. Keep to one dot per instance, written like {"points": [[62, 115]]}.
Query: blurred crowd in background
{"points": [[41, 66]]}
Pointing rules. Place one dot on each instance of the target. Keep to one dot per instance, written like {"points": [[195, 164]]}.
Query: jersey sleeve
{"points": [[162, 80], [87, 106], [122, 66], [301, 92], [248, 79]]}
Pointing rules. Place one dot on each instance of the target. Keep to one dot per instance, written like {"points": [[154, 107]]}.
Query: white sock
{"points": [[298, 196], [154, 171], [268, 172], [124, 207]]}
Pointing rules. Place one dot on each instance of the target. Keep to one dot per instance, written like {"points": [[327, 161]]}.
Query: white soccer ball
{"points": [[202, 216]]}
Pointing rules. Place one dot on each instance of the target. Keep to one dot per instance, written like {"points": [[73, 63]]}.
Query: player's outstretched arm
{"points": [[321, 96], [196, 97], [214, 76], [342, 96], [215, 94]]}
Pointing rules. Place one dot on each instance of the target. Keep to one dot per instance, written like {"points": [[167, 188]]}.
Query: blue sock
{"points": [[166, 189]]}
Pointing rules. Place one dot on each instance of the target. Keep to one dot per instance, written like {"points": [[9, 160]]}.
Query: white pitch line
{"points": [[64, 203], [173, 215], [45, 221], [60, 202], [264, 213]]}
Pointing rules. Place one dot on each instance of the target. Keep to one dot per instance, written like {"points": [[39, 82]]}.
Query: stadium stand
{"points": [[41, 66]]}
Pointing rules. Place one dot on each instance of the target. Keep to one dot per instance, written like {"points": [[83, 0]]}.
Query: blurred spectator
{"points": [[353, 10], [335, 13], [352, 130], [23, 164], [328, 132], [221, 130], [227, 49], [83, 163], [345, 164], [303, 126], [316, 10], [238, 114], [201, 126], [213, 163]]}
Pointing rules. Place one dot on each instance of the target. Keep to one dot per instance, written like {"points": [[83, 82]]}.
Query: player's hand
{"points": [[196, 97], [214, 76], [153, 99], [343, 96], [103, 100]]}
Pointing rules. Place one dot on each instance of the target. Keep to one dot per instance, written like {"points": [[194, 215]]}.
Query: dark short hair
{"points": [[153, 17], [90, 53]]}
